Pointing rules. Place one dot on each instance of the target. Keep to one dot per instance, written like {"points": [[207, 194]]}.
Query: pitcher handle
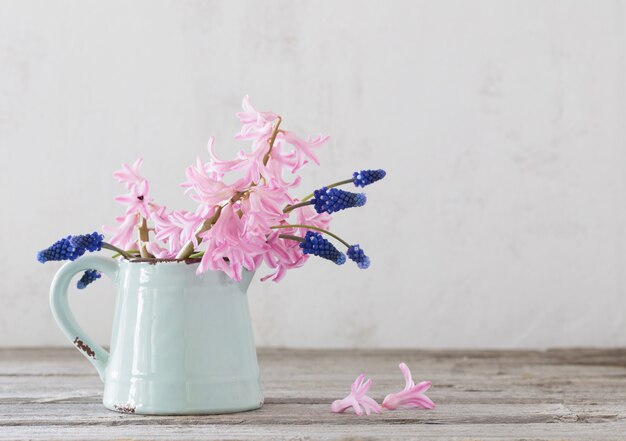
{"points": [[63, 315]]}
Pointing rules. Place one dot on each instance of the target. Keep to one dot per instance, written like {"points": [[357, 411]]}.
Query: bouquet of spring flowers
{"points": [[238, 223]]}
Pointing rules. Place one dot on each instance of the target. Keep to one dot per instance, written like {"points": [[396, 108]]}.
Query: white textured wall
{"points": [[501, 125]]}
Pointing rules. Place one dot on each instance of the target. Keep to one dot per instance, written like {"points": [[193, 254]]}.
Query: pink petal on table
{"points": [[357, 399], [411, 396]]}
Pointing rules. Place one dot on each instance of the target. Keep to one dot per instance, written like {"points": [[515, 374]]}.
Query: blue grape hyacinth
{"points": [[71, 247], [62, 249], [315, 244], [356, 253], [88, 277], [367, 177], [90, 242], [330, 200]]}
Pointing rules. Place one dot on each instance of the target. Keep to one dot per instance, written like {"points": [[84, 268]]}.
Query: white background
{"points": [[501, 125]]}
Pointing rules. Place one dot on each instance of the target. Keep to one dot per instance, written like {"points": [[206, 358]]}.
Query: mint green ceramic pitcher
{"points": [[181, 343]]}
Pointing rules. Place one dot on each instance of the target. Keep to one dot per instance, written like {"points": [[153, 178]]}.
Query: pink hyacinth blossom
{"points": [[207, 187], [176, 228], [357, 399], [308, 216], [262, 209], [244, 198], [283, 254], [276, 166], [188, 223], [303, 150], [122, 235], [251, 164], [229, 247], [289, 152], [164, 229], [158, 252], [138, 200], [255, 124], [411, 396], [129, 175], [218, 166]]}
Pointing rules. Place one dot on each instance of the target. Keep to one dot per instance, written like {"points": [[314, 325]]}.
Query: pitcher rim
{"points": [[154, 261]]}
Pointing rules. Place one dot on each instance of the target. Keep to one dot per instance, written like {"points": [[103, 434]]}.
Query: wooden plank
{"points": [[560, 394], [356, 432], [88, 412]]}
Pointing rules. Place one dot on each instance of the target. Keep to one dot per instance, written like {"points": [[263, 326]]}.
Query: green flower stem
{"points": [[206, 225], [131, 252], [272, 139], [291, 237], [288, 208], [335, 184], [196, 255], [144, 236], [119, 251], [311, 227]]}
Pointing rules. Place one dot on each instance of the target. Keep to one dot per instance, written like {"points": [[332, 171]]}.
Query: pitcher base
{"points": [[137, 410]]}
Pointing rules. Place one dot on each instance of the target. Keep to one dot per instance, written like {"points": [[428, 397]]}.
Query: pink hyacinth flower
{"points": [[138, 199], [158, 252], [130, 175], [411, 396], [357, 399], [304, 150], [122, 235], [282, 255], [255, 124]]}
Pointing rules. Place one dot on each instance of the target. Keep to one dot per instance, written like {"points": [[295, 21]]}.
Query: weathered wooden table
{"points": [[54, 394]]}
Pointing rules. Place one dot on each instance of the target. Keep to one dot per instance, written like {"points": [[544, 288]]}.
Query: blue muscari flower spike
{"points": [[367, 177], [91, 242], [330, 200], [315, 244], [356, 253], [62, 249], [71, 247], [88, 277]]}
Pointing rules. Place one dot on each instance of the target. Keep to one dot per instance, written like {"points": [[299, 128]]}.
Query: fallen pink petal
{"points": [[411, 396], [357, 399]]}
